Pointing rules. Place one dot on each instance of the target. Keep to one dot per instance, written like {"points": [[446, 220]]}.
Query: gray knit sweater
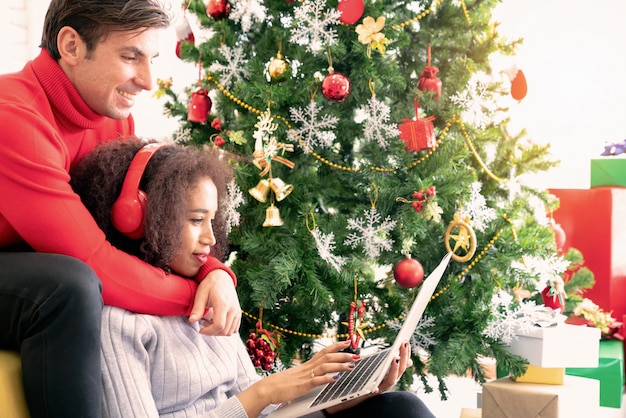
{"points": [[157, 366]]}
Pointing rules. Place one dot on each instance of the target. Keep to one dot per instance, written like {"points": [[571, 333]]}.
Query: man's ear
{"points": [[70, 44]]}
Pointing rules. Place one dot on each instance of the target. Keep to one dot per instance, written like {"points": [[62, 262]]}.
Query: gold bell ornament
{"points": [[272, 216], [280, 188], [260, 191]]}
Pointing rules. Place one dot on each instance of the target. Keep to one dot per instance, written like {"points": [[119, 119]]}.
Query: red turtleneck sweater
{"points": [[45, 128]]}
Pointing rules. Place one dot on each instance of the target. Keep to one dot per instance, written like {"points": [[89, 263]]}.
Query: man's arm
{"points": [[39, 204]]}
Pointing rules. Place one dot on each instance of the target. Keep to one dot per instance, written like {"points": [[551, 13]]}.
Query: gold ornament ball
{"points": [[278, 68]]}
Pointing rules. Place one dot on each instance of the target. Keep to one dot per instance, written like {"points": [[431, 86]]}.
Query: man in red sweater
{"points": [[56, 267]]}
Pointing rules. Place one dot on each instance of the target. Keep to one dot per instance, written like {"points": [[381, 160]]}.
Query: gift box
{"points": [[577, 397], [562, 345], [608, 171], [545, 375], [419, 134], [471, 413], [594, 223], [610, 373]]}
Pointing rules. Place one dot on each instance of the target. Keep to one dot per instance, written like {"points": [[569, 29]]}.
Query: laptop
{"points": [[370, 370]]}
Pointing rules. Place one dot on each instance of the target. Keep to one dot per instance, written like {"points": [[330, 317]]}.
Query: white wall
{"points": [[573, 57], [14, 29]]}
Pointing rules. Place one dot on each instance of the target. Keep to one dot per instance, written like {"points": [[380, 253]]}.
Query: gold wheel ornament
{"points": [[464, 238]]}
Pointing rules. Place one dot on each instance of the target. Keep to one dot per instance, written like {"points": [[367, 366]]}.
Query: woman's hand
{"points": [[398, 366], [297, 381], [216, 295]]}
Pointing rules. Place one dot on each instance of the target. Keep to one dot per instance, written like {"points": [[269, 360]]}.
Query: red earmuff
{"points": [[129, 210]]}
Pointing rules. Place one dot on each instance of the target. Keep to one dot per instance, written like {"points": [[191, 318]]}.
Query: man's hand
{"points": [[216, 295]]}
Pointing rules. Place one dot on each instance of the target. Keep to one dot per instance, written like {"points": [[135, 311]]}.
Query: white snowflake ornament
{"points": [[234, 199], [325, 247], [234, 70], [543, 270], [476, 101], [313, 26], [377, 127], [372, 232], [247, 12], [315, 131], [508, 320], [477, 210]]}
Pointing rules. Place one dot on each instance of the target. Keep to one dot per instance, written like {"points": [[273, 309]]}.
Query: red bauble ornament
{"points": [[351, 10], [428, 80], [419, 134], [336, 87], [199, 106], [408, 273], [183, 34], [217, 9]]}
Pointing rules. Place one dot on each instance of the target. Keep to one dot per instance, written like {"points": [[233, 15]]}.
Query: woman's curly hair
{"points": [[172, 172]]}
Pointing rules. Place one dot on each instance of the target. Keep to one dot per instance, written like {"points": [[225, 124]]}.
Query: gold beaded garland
{"points": [[444, 132]]}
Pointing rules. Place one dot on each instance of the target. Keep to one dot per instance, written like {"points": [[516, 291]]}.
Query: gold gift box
{"points": [[545, 375]]}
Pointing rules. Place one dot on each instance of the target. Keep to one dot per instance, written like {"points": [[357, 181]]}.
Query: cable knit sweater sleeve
{"points": [[163, 367]]}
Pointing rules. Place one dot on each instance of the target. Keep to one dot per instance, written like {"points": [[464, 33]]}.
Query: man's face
{"points": [[118, 69]]}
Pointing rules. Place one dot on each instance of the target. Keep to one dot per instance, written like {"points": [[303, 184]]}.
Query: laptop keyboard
{"points": [[352, 381]]}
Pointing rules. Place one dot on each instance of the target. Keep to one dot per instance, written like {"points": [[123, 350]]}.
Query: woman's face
{"points": [[197, 235]]}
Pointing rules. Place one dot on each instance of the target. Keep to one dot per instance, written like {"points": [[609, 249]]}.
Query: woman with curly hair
{"points": [[96, 58], [163, 366]]}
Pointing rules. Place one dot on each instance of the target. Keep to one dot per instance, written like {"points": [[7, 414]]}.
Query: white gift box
{"points": [[563, 345]]}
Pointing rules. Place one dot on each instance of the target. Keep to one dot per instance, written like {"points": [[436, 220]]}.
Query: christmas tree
{"points": [[368, 140]]}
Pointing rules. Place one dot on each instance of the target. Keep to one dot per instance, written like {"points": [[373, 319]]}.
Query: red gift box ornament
{"points": [[199, 106], [428, 80], [418, 134]]}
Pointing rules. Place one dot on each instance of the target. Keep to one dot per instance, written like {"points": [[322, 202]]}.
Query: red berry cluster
{"points": [[422, 197], [217, 139], [260, 350]]}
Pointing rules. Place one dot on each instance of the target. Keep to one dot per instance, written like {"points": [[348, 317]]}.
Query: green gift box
{"points": [[610, 373], [608, 171]]}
